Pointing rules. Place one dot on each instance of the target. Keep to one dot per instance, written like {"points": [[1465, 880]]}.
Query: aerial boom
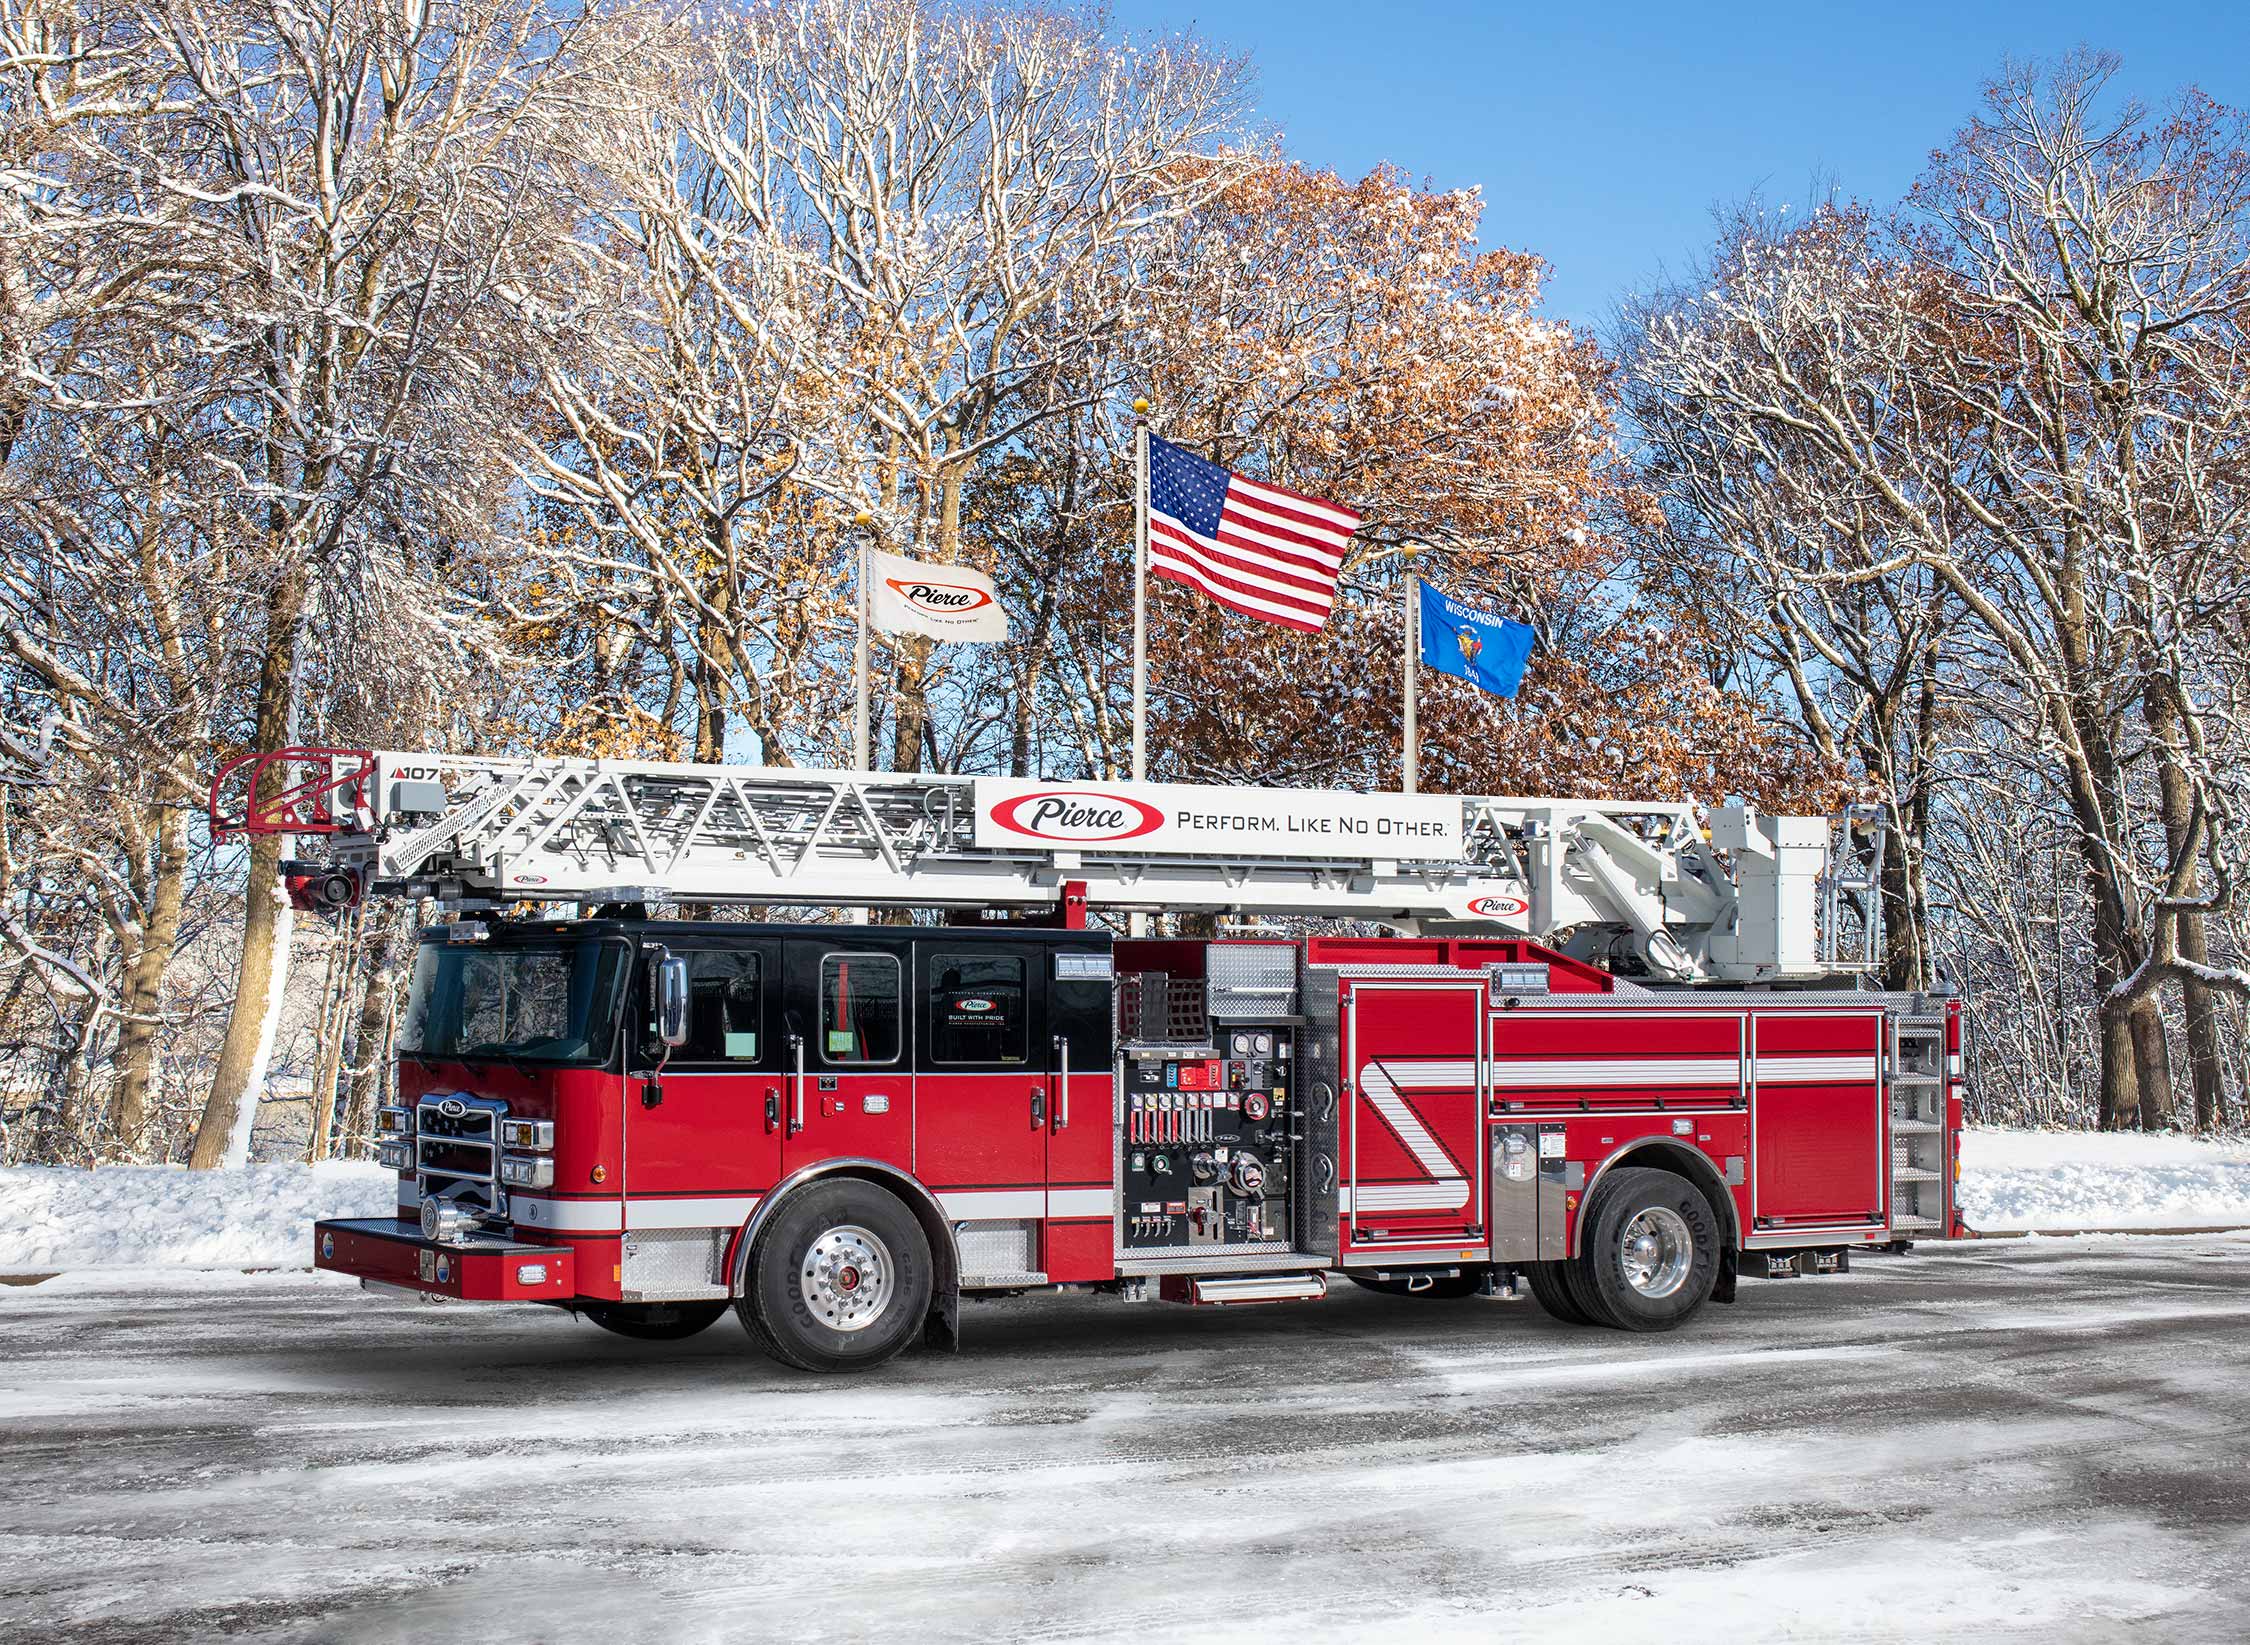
{"points": [[1659, 888]]}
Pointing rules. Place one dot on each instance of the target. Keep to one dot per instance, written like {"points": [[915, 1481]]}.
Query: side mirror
{"points": [[672, 1001]]}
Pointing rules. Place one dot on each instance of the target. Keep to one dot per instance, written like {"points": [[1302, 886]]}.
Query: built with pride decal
{"points": [[1242, 822]]}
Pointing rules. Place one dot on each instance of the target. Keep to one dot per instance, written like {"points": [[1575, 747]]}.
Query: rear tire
{"points": [[1550, 1288], [840, 1281], [654, 1321], [1649, 1254]]}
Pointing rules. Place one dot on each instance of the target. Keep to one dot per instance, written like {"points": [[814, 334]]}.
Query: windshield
{"points": [[555, 1002]]}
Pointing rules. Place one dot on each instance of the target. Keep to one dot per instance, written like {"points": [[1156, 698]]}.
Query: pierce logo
{"points": [[943, 599], [1080, 816], [972, 1005], [1498, 908]]}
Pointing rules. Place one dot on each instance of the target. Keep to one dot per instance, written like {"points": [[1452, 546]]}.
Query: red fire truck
{"points": [[839, 1131]]}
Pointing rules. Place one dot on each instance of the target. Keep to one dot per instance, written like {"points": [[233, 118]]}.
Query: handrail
{"points": [[305, 806]]}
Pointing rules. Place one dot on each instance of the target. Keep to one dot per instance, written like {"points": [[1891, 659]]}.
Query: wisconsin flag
{"points": [[1480, 646], [946, 602]]}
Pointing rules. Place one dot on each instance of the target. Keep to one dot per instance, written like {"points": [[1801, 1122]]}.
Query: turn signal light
{"points": [[533, 1136], [396, 1122]]}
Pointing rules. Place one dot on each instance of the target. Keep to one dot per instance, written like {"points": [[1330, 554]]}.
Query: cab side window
{"points": [[977, 1008], [859, 1009], [726, 1006]]}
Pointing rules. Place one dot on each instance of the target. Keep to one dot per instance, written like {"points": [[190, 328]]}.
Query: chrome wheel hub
{"points": [[1656, 1250], [848, 1278]]}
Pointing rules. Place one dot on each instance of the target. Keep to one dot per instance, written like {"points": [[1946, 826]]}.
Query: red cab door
{"points": [[703, 1133], [984, 1103], [1413, 1131], [849, 1083]]}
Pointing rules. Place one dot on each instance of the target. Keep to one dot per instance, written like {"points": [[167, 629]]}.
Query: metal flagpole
{"points": [[1410, 748], [862, 756], [1136, 925], [860, 753], [1140, 591]]}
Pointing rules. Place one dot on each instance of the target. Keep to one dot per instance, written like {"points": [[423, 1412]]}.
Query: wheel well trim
{"points": [[1698, 1170], [945, 1291]]}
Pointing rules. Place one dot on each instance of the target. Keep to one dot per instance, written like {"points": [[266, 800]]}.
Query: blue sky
{"points": [[1603, 136]]}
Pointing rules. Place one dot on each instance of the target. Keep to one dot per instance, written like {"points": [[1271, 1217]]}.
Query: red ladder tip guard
{"points": [[305, 805]]}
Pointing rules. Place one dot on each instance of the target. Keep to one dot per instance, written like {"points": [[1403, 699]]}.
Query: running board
{"points": [[1206, 1293]]}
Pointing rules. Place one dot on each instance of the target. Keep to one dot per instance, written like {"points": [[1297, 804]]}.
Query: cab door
{"points": [[703, 1125], [985, 1105], [849, 1083]]}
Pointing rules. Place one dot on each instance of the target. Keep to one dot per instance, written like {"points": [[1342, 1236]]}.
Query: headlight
{"points": [[528, 1173], [395, 1122], [395, 1156], [532, 1136]]}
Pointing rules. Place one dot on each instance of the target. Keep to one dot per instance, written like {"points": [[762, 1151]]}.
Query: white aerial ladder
{"points": [[1667, 890]]}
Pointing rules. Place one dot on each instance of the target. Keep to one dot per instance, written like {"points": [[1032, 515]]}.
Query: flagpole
{"points": [[1140, 591], [860, 754], [1410, 749]]}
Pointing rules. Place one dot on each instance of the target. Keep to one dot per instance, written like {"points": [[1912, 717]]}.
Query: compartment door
{"points": [[1413, 1126], [1820, 1156]]}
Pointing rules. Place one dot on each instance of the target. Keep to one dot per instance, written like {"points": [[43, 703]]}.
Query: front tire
{"points": [[654, 1321], [1650, 1255], [841, 1281]]}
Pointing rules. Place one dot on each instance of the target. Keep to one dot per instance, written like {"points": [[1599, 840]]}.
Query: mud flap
{"points": [[941, 1329], [1730, 1265]]}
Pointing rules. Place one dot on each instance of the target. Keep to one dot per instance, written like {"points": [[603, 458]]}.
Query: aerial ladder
{"points": [[1668, 891]]}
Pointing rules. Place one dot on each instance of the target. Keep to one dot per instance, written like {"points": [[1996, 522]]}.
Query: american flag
{"points": [[1254, 548]]}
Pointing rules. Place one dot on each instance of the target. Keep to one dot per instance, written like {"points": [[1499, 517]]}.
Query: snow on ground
{"points": [[158, 1215], [2095, 1179], [139, 1216], [2035, 1441]]}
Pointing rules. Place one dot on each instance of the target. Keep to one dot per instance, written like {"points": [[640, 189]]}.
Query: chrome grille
{"points": [[457, 1152]]}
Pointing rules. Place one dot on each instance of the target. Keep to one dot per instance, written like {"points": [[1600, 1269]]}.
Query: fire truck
{"points": [[1612, 1056]]}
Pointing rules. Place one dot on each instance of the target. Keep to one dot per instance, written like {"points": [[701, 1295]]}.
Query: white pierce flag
{"points": [[946, 602]]}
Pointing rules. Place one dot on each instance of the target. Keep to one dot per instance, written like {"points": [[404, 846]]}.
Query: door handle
{"points": [[1062, 1089], [773, 1107], [1038, 1107], [797, 1097]]}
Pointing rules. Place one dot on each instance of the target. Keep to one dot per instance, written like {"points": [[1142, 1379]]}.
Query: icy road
{"points": [[2043, 1440]]}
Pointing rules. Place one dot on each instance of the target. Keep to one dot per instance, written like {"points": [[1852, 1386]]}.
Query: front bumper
{"points": [[392, 1251]]}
